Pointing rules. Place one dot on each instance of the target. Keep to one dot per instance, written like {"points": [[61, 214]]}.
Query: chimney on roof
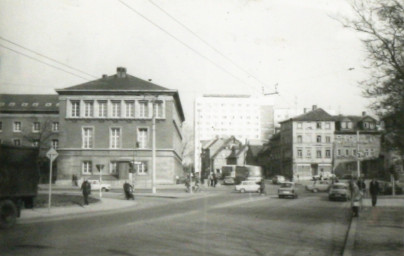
{"points": [[314, 107], [363, 113], [121, 72], [104, 76]]}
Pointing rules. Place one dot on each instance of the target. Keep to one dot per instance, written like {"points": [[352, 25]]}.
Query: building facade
{"points": [[306, 144], [29, 120], [356, 137], [108, 127], [242, 116]]}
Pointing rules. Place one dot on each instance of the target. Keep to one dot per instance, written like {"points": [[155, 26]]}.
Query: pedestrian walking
{"points": [[374, 190], [128, 190], [214, 179], [355, 199], [210, 180], [262, 187], [86, 188], [362, 186]]}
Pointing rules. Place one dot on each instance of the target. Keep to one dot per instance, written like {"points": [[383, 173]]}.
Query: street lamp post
{"points": [[358, 155], [154, 149]]}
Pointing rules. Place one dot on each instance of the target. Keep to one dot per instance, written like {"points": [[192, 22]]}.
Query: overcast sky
{"points": [[293, 43]]}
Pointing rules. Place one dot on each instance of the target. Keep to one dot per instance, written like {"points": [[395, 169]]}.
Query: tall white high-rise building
{"points": [[242, 116]]}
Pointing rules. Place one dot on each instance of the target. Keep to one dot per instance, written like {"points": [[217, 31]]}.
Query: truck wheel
{"points": [[8, 214]]}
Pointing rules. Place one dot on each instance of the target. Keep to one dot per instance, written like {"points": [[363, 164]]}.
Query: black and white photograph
{"points": [[202, 127]]}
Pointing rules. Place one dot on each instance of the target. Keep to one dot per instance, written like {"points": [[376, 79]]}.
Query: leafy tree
{"points": [[382, 24]]}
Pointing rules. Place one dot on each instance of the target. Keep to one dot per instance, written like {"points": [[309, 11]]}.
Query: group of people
{"points": [[86, 189], [358, 191], [212, 179]]}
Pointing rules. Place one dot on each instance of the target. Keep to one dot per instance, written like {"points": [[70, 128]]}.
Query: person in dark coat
{"points": [[86, 188], [374, 190], [214, 178], [362, 186], [128, 189], [262, 187]]}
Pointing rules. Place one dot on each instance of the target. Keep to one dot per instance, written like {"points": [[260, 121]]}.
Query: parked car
{"points": [[339, 191], [228, 180], [319, 186], [287, 189], [248, 186], [327, 176], [96, 185], [278, 179]]}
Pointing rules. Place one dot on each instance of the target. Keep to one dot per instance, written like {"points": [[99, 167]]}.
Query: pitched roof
{"points": [[29, 103], [315, 115], [116, 83]]}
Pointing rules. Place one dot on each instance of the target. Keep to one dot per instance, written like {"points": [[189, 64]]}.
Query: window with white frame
{"points": [[55, 144], [328, 153], [141, 167], [116, 108], [318, 153], [354, 152], [113, 167], [318, 138], [17, 127], [102, 108], [36, 127], [299, 125], [299, 138], [88, 108], [142, 137], [55, 126], [17, 142], [86, 167], [327, 125], [318, 125], [339, 152], [88, 137], [158, 109], [143, 109], [347, 152], [75, 108], [299, 153], [349, 125], [328, 139], [115, 138], [129, 108]]}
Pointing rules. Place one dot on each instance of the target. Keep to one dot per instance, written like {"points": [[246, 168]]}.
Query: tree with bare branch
{"points": [[382, 24]]}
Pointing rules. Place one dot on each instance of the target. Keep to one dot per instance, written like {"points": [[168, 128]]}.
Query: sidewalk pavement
{"points": [[104, 205], [378, 230]]}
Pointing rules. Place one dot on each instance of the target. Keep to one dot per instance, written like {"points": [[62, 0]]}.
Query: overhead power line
{"points": [[46, 57], [53, 66], [184, 44], [206, 43]]}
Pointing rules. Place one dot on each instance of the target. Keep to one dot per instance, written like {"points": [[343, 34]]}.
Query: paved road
{"points": [[223, 224]]}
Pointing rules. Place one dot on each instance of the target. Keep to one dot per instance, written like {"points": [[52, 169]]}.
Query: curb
{"points": [[350, 237]]}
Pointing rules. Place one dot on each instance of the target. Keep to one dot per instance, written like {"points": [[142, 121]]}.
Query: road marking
{"points": [[349, 245]]}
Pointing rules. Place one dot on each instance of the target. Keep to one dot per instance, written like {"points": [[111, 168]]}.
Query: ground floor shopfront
{"points": [[306, 171], [116, 166]]}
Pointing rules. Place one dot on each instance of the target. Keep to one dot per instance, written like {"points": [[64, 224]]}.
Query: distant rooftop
{"points": [[23, 103], [226, 96]]}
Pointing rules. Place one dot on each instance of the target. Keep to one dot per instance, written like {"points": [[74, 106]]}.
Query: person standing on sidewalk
{"points": [[86, 188], [362, 186], [355, 199], [374, 190], [262, 187], [128, 189]]}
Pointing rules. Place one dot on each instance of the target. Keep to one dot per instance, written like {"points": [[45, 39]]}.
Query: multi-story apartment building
{"points": [[356, 137], [306, 144], [242, 116], [29, 120], [108, 122]]}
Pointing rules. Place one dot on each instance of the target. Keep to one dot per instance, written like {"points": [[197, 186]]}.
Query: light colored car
{"points": [[96, 185], [287, 189], [228, 180], [339, 191], [319, 186], [278, 179], [248, 186]]}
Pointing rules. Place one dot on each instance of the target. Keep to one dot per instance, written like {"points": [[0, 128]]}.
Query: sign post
{"points": [[51, 154], [100, 167]]}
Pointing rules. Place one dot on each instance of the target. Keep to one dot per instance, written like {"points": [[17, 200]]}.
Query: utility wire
{"points": [[46, 57], [181, 42], [53, 66], [206, 43]]}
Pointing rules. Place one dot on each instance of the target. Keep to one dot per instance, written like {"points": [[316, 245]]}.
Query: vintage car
{"points": [[319, 186]]}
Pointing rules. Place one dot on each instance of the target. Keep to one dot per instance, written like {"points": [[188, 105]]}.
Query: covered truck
{"points": [[19, 179]]}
